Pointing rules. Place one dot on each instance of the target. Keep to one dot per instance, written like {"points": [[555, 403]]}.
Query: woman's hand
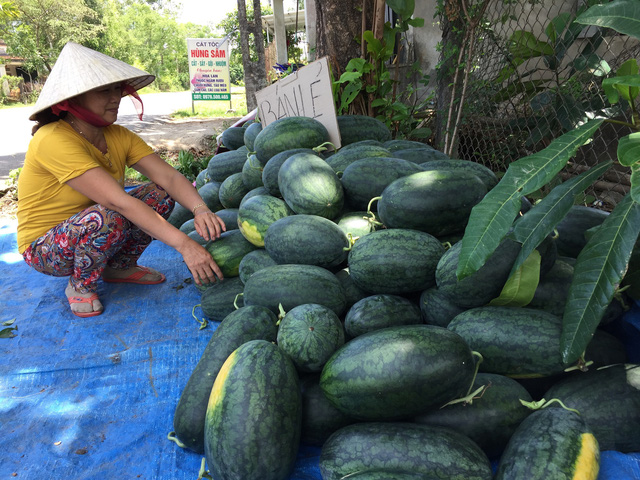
{"points": [[208, 225], [200, 262]]}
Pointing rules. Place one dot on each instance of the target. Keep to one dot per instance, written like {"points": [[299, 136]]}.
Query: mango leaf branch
{"points": [[491, 219], [622, 15], [599, 269], [532, 228]]}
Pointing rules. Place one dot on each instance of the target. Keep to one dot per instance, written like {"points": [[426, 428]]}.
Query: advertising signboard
{"points": [[209, 68]]}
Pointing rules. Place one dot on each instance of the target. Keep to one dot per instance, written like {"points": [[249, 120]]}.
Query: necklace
{"points": [[105, 154]]}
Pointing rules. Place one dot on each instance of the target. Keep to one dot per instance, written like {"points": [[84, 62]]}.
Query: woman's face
{"points": [[103, 101]]}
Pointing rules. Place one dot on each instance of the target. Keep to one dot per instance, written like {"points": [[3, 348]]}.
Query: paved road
{"points": [[15, 126]]}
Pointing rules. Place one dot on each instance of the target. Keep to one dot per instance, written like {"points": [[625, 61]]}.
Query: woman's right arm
{"points": [[100, 187]]}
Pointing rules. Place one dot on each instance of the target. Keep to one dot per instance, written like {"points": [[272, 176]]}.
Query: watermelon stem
{"points": [[468, 399], [281, 314], [352, 241], [371, 215], [235, 300], [480, 358], [471, 395], [172, 436], [581, 365], [203, 473], [203, 323], [542, 403], [322, 147]]}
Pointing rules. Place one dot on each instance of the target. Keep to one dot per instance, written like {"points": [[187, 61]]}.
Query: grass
{"points": [[207, 109]]}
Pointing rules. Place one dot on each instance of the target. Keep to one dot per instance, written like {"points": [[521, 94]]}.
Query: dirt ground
{"points": [[195, 134], [167, 137]]}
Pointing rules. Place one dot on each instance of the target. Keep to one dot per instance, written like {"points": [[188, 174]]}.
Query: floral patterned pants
{"points": [[83, 245]]}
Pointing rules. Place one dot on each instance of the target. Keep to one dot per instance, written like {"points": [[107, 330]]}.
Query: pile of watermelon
{"points": [[343, 324]]}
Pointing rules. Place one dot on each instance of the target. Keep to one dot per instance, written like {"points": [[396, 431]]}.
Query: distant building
{"points": [[10, 65]]}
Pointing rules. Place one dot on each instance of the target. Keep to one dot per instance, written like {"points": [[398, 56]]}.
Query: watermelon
{"points": [[395, 261], [310, 334], [287, 133], [398, 372], [228, 250], [310, 186], [438, 202], [253, 421], [293, 285], [257, 213], [306, 239]]}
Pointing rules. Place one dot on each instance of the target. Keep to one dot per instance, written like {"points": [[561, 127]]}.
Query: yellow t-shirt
{"points": [[56, 154]]}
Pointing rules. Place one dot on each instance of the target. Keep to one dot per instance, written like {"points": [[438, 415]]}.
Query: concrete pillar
{"points": [[310, 23], [280, 32]]}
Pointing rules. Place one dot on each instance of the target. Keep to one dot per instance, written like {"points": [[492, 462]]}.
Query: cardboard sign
{"points": [[304, 93], [209, 68]]}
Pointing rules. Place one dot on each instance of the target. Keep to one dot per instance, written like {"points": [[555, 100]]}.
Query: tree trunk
{"points": [[339, 27], [255, 75]]}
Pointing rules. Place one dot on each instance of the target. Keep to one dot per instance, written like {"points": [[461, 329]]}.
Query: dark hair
{"points": [[44, 117]]}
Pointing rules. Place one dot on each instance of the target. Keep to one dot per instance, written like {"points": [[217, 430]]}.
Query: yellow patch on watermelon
{"points": [[217, 392], [587, 464], [251, 233]]}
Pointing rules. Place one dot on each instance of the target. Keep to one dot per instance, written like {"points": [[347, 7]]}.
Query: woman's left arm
{"points": [[208, 225]]}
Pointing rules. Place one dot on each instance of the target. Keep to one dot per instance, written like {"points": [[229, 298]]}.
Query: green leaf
{"points": [[416, 22], [628, 69], [599, 268], [404, 8], [519, 289], [523, 44], [355, 64], [491, 219], [622, 15], [349, 77], [557, 25], [528, 88], [534, 226], [8, 323], [635, 182], [629, 149], [624, 86], [422, 132], [8, 332]]}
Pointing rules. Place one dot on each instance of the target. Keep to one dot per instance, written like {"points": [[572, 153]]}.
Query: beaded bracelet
{"points": [[193, 210]]}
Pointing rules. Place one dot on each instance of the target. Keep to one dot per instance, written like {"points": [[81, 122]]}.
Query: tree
{"points": [[231, 28], [255, 75], [8, 13], [45, 26], [339, 28]]}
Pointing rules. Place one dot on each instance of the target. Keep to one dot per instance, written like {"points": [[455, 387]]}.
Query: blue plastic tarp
{"points": [[94, 398]]}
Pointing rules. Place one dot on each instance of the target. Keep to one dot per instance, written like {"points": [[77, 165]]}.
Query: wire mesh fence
{"points": [[537, 74]]}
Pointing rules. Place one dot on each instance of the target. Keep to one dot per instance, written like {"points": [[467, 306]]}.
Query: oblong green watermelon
{"points": [[293, 285], [287, 133], [367, 178], [228, 250], [398, 372], [438, 202], [306, 239], [256, 214], [253, 421], [310, 186], [395, 261]]}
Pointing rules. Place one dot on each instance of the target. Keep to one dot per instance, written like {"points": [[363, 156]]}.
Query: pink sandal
{"points": [[89, 300], [136, 277]]}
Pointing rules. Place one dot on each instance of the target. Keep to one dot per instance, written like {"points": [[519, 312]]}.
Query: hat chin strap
{"points": [[80, 113]]}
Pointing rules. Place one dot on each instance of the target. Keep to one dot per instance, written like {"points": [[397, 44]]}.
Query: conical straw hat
{"points": [[80, 69]]}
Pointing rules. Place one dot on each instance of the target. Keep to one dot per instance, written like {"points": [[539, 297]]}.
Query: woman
{"points": [[74, 217]]}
